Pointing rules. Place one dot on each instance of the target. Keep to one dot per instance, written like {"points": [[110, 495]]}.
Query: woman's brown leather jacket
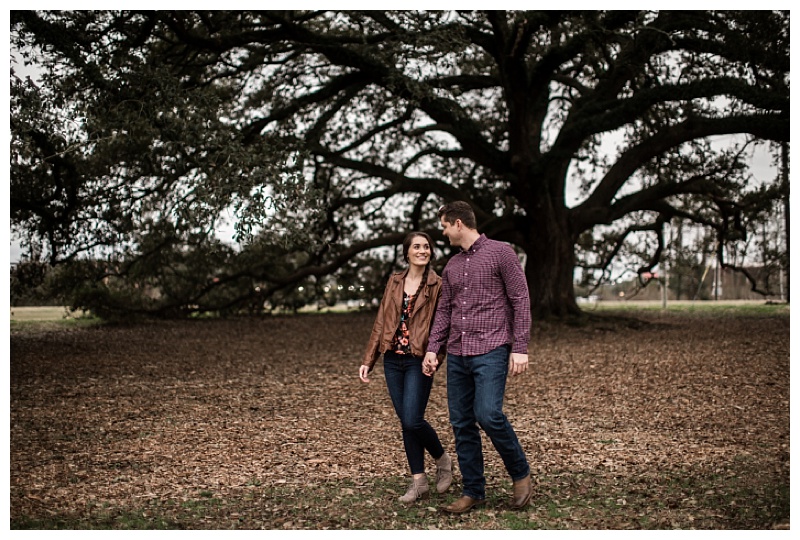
{"points": [[388, 319]]}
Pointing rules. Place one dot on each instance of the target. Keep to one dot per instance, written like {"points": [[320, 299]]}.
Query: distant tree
{"points": [[28, 285], [329, 134]]}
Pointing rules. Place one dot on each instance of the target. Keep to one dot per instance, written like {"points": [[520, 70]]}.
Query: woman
{"points": [[401, 333]]}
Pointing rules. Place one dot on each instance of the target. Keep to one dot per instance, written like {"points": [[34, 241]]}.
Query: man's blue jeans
{"points": [[410, 389], [476, 387]]}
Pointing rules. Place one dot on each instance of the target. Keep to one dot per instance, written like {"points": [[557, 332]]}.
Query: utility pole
{"points": [[665, 270], [716, 277], [785, 178]]}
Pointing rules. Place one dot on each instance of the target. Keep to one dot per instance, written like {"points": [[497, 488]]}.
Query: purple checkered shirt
{"points": [[484, 303]]}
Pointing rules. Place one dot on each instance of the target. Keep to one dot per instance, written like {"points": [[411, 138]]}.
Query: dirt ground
{"points": [[116, 416]]}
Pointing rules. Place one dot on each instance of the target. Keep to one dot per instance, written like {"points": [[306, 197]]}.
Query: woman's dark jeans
{"points": [[409, 389]]}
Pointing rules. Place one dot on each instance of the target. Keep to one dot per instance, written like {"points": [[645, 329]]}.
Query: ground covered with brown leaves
{"points": [[682, 422]]}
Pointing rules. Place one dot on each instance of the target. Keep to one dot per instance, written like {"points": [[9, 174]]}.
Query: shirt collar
{"points": [[476, 245]]}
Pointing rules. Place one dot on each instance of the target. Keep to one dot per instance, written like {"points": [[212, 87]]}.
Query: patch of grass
{"points": [[35, 325], [700, 307], [105, 519], [738, 499], [34, 319], [45, 313]]}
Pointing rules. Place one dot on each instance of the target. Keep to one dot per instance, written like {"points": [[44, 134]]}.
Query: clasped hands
{"points": [[429, 364]]}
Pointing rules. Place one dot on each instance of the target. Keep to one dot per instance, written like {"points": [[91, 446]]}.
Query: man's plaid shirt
{"points": [[484, 302]]}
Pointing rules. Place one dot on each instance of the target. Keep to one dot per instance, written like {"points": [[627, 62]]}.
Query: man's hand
{"points": [[518, 363], [429, 364]]}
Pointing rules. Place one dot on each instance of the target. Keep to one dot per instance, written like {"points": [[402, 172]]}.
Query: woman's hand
{"points": [[363, 373]]}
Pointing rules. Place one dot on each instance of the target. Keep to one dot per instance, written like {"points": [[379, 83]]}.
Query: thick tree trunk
{"points": [[550, 264]]}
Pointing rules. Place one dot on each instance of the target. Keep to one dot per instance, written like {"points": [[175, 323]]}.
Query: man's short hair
{"points": [[458, 210]]}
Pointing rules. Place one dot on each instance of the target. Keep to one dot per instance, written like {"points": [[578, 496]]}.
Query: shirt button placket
{"points": [[464, 303]]}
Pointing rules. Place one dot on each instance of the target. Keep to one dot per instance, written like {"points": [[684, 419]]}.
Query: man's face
{"points": [[451, 231]]}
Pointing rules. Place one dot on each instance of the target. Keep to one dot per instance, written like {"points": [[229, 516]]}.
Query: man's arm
{"points": [[516, 286]]}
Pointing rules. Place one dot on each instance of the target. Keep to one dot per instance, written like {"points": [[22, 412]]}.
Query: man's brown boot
{"points": [[522, 492], [462, 505]]}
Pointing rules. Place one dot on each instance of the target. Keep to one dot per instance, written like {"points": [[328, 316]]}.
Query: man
{"points": [[484, 320]]}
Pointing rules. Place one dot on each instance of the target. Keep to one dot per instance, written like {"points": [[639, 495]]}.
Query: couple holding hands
{"points": [[478, 311]]}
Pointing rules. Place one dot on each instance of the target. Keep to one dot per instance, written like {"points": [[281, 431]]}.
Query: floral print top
{"points": [[400, 343]]}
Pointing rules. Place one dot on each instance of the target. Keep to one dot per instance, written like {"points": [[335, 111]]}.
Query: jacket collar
{"points": [[432, 275]]}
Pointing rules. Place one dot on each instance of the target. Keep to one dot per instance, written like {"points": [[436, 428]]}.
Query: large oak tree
{"points": [[329, 134]]}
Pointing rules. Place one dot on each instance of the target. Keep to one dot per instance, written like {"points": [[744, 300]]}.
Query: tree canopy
{"points": [[326, 135]]}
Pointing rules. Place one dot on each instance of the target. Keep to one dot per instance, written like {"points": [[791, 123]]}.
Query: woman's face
{"points": [[419, 252]]}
